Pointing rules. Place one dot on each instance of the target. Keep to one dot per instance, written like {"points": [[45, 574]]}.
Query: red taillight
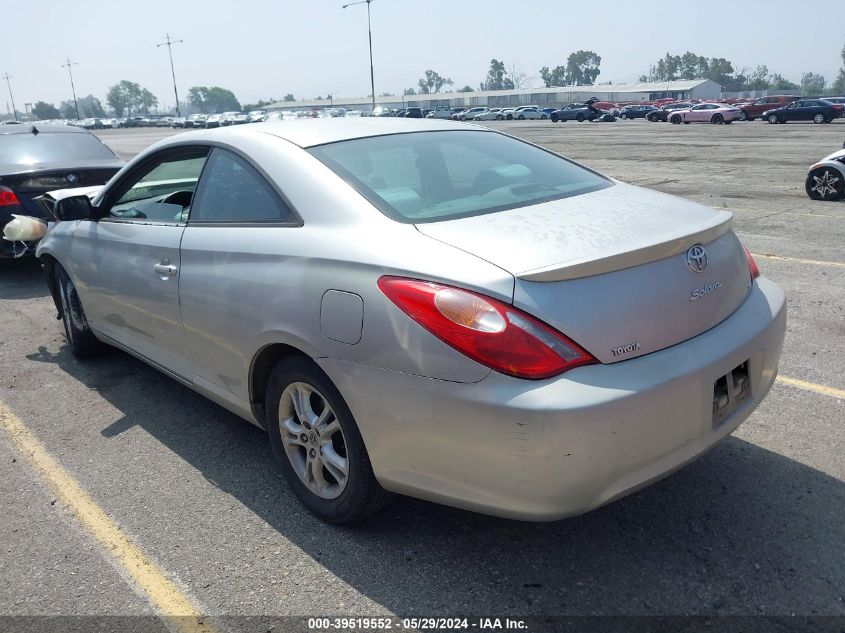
{"points": [[8, 198], [489, 331], [752, 265]]}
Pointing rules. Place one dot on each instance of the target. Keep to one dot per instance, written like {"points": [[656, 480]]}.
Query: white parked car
{"points": [[469, 115], [492, 114], [826, 179], [529, 112], [215, 120]]}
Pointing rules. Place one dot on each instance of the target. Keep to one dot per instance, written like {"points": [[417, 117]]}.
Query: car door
{"points": [[127, 262], [231, 257], [793, 111]]}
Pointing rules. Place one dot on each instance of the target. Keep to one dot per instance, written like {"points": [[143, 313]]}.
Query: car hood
{"points": [[606, 230]]}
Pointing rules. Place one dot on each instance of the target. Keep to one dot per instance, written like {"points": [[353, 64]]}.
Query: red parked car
{"points": [[751, 111]]}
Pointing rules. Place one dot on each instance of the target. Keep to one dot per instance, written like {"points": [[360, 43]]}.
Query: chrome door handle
{"points": [[166, 270]]}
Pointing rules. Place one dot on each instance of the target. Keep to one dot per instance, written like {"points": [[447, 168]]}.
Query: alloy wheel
{"points": [[313, 440], [826, 184]]}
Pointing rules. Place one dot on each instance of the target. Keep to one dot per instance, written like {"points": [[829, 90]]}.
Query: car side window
{"points": [[232, 190], [163, 190]]}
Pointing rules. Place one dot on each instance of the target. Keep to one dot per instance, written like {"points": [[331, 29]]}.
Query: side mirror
{"points": [[74, 208]]}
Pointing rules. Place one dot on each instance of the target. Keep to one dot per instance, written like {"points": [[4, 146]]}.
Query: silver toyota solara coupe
{"points": [[423, 307]]}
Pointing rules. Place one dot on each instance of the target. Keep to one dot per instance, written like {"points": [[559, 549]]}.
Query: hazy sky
{"points": [[262, 49]]}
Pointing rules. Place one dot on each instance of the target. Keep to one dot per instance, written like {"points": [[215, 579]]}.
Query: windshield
{"points": [[47, 147], [435, 176]]}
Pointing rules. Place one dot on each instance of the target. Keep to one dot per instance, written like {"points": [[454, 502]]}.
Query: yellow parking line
{"points": [[814, 262], [177, 609], [811, 386]]}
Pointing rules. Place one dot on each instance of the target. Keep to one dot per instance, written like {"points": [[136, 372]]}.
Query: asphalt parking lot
{"points": [[755, 527]]}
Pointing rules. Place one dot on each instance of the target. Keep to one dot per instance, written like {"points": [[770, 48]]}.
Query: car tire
{"points": [[623, 116], [543, 117], [521, 117], [825, 183], [675, 119], [772, 119], [80, 338], [498, 117], [819, 118], [308, 451], [717, 119], [554, 118], [743, 116], [580, 118], [509, 117]]}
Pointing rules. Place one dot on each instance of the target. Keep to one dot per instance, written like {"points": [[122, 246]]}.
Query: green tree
{"points": [[124, 97], [67, 110], [838, 85], [466, 88], [778, 83], [721, 71], [582, 68], [213, 99], [289, 97], [812, 84], [692, 66], [258, 105], [556, 77], [497, 77], [432, 82], [409, 91], [148, 101], [44, 110], [90, 107], [759, 79]]}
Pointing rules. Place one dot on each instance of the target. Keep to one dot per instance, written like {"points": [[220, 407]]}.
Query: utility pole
{"points": [[370, 32], [7, 77], [72, 88], [169, 43]]}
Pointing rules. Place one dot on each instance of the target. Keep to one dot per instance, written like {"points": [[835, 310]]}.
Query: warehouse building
{"points": [[543, 97]]}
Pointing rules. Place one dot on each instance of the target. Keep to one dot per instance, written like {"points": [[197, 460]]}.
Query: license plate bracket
{"points": [[729, 392]]}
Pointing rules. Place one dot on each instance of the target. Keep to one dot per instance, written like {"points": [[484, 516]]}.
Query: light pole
{"points": [[7, 77], [72, 89], [370, 31], [169, 43]]}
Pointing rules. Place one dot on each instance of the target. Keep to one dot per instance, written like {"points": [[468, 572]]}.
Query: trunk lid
{"points": [[609, 269], [29, 184]]}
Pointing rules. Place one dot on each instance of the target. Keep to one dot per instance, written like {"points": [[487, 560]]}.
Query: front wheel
{"points": [[818, 118], [772, 119], [717, 119], [543, 117], [676, 119], [80, 338], [825, 183], [554, 118], [623, 116], [743, 116], [318, 446], [521, 117], [580, 118], [499, 117]]}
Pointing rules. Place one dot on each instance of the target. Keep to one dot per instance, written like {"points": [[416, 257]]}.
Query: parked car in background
{"points": [[815, 110], [826, 179], [257, 116], [456, 362], [214, 120], [492, 114], [661, 114], [529, 112], [178, 121], [471, 113], [456, 113], [572, 112], [507, 113], [637, 111], [439, 112], [195, 120], [755, 109], [36, 158], [717, 113], [414, 113]]}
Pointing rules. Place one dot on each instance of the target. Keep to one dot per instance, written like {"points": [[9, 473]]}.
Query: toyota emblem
{"points": [[697, 258]]}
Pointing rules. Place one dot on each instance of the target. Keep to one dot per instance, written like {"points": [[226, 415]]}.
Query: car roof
{"points": [[26, 128], [309, 133]]}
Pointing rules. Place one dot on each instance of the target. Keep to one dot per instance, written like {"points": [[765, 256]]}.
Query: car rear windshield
{"points": [[47, 147], [435, 176]]}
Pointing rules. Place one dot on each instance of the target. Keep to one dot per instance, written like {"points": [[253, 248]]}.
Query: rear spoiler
{"points": [[575, 269]]}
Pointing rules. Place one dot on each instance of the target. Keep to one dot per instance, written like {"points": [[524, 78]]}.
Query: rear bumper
{"points": [[550, 449]]}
